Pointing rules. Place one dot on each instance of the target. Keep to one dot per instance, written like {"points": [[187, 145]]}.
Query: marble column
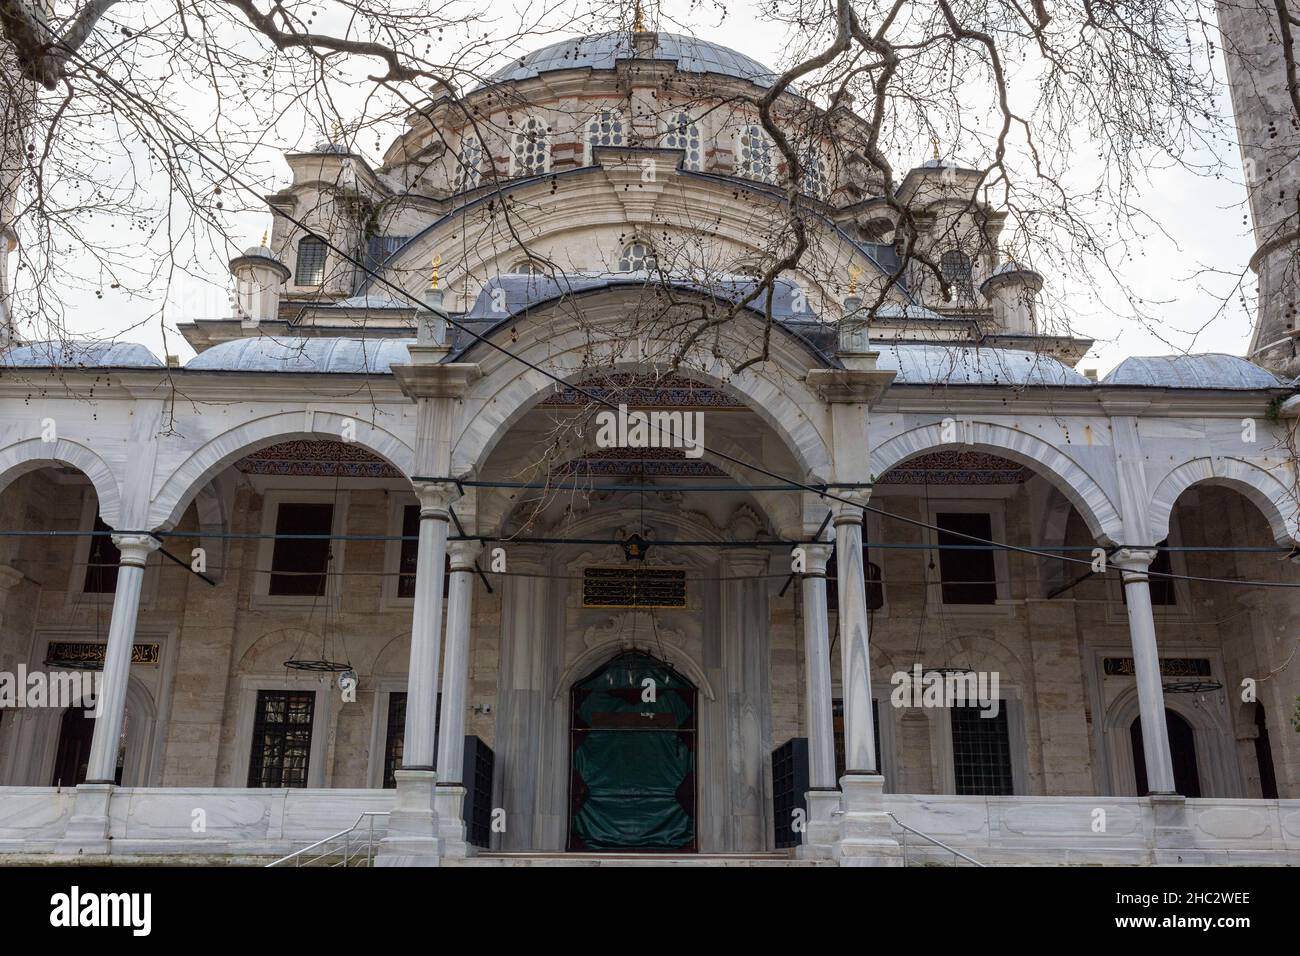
{"points": [[1134, 563], [413, 824], [87, 830], [865, 836], [823, 797], [450, 798]]}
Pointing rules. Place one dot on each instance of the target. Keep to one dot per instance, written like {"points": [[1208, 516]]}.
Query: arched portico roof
{"points": [[24, 456]]}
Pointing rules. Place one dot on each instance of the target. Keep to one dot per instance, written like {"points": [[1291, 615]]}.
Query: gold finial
{"points": [[934, 141], [338, 132], [434, 263], [265, 233], [638, 19], [854, 272]]}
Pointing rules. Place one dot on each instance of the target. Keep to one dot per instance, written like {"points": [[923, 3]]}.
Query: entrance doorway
{"points": [[1182, 751], [632, 753]]}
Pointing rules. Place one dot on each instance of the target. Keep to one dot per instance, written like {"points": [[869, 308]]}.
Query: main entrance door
{"points": [[632, 758]]}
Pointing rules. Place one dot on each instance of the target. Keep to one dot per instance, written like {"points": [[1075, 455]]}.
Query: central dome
{"points": [[602, 50]]}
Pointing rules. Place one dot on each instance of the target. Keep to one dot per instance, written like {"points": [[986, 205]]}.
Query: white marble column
{"points": [[823, 797], [87, 830], [1146, 666], [450, 799], [855, 662], [413, 824], [865, 836]]}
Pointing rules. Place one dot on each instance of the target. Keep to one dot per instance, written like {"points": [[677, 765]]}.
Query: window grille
{"points": [[282, 730], [756, 155], [469, 164], [981, 751], [311, 261], [637, 257], [531, 149], [681, 132], [604, 129]]}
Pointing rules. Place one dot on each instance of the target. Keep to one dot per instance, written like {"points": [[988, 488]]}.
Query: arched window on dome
{"points": [[469, 164], [637, 256], [956, 266], [682, 132], [310, 269], [816, 182], [531, 152], [605, 128], [525, 267], [755, 154]]}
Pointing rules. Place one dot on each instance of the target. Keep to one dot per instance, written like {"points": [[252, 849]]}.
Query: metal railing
{"points": [[930, 839], [354, 846]]}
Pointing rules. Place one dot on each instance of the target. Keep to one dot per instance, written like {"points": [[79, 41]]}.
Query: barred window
{"points": [[531, 155], [282, 729], [469, 164], [395, 738], [981, 751], [815, 181], [755, 154], [311, 261], [956, 266], [682, 132], [637, 257], [604, 129]]}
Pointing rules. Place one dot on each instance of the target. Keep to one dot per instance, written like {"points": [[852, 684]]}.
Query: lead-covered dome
{"points": [[602, 51]]}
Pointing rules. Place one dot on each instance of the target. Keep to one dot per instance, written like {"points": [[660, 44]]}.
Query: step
{"points": [[634, 859]]}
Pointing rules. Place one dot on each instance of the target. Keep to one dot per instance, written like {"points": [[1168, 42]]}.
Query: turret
{"points": [[259, 275], [1012, 291]]}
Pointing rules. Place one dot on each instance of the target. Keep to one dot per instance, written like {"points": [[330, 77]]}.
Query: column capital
{"points": [[135, 548], [463, 553], [748, 561], [436, 497], [850, 510], [1134, 560], [815, 558]]}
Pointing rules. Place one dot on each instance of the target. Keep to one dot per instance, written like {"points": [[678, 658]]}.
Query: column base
{"points": [[412, 838], [866, 833], [1174, 841], [449, 800], [86, 834], [823, 825]]}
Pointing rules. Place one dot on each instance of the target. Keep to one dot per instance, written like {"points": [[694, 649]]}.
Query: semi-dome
{"points": [[299, 354], [602, 51], [1211, 370]]}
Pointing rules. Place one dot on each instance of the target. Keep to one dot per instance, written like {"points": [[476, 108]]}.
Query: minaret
{"points": [[1269, 132]]}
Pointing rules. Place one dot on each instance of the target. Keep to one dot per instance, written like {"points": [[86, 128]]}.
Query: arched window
{"points": [[526, 267], [755, 154], [815, 181], [604, 129], [469, 164], [531, 155], [956, 268], [682, 132], [637, 257], [311, 261]]}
